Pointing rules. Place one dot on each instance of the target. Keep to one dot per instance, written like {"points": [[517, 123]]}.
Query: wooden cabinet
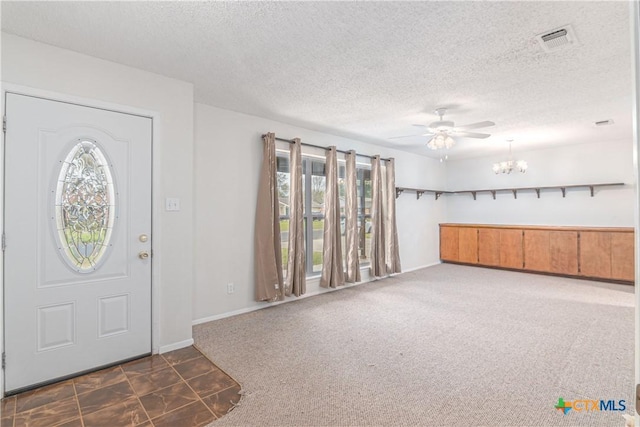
{"points": [[537, 250], [551, 251], [449, 243], [595, 254], [607, 254], [459, 244], [563, 248], [489, 246], [600, 253], [622, 256], [468, 245], [511, 248]]}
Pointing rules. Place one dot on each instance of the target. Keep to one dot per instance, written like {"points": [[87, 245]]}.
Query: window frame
{"points": [[309, 216]]}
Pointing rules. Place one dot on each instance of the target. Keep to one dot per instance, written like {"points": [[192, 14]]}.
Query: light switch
{"points": [[172, 204]]}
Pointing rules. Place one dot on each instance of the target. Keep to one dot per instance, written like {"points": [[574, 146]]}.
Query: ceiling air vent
{"points": [[560, 38]]}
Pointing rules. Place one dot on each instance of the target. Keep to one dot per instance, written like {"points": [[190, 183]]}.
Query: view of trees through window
{"points": [[314, 186]]}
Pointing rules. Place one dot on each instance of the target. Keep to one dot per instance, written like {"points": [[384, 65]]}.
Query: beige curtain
{"points": [[393, 251], [267, 252], [332, 269], [296, 276], [351, 221], [378, 263]]}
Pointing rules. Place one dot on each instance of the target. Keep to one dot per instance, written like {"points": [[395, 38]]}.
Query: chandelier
{"points": [[440, 140], [510, 165]]}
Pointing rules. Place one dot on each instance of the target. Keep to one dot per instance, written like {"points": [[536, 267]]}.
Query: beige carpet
{"points": [[446, 345]]}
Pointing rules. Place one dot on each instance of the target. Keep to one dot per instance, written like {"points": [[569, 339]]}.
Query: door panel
{"points": [[564, 252], [56, 326], [468, 245], [449, 243], [622, 256], [77, 195], [511, 248], [537, 256], [595, 254], [489, 246]]}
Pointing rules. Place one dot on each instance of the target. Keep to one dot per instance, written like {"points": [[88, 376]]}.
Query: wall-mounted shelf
{"points": [[563, 188], [419, 192]]}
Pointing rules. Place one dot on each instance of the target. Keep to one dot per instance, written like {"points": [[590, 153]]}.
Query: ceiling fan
{"points": [[443, 130]]}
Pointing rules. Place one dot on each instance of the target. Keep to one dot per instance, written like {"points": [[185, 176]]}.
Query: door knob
{"points": [[143, 255]]}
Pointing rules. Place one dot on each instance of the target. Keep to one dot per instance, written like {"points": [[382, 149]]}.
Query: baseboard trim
{"points": [[229, 314], [421, 267], [176, 346], [310, 294], [545, 273], [272, 304]]}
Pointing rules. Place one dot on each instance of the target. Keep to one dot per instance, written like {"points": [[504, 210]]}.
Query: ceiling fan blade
{"points": [[484, 124], [471, 134], [404, 136], [409, 144], [420, 126]]}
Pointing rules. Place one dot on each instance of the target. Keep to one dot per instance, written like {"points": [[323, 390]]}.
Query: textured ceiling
{"points": [[369, 70]]}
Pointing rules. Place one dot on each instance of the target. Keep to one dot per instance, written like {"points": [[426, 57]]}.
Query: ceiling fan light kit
{"points": [[440, 140]]}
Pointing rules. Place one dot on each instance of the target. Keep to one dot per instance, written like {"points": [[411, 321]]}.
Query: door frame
{"points": [[156, 236]]}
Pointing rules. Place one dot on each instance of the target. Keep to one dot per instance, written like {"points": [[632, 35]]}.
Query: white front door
{"points": [[78, 239]]}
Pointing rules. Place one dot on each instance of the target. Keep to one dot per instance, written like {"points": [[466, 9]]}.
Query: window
{"points": [[313, 189], [84, 207]]}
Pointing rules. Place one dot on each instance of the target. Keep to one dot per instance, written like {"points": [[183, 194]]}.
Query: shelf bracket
{"points": [[515, 193], [473, 193], [591, 188], [418, 194], [537, 192], [564, 191], [493, 193], [438, 194], [399, 192]]}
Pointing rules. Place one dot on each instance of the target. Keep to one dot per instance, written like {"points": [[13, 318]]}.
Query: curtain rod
{"points": [[290, 141]]}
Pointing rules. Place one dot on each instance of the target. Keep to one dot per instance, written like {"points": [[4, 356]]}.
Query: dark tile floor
{"points": [[178, 389]]}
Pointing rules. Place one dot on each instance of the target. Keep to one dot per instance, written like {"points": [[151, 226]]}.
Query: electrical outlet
{"points": [[231, 288]]}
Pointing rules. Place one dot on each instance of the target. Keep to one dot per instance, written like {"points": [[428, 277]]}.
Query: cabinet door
{"points": [[537, 250], [595, 254], [489, 246], [468, 245], [449, 243], [511, 248], [564, 252], [622, 256]]}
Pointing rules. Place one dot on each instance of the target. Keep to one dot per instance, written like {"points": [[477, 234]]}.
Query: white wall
{"points": [[37, 65], [228, 153], [605, 162]]}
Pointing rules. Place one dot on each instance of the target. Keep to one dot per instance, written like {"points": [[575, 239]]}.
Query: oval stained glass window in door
{"points": [[84, 207]]}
